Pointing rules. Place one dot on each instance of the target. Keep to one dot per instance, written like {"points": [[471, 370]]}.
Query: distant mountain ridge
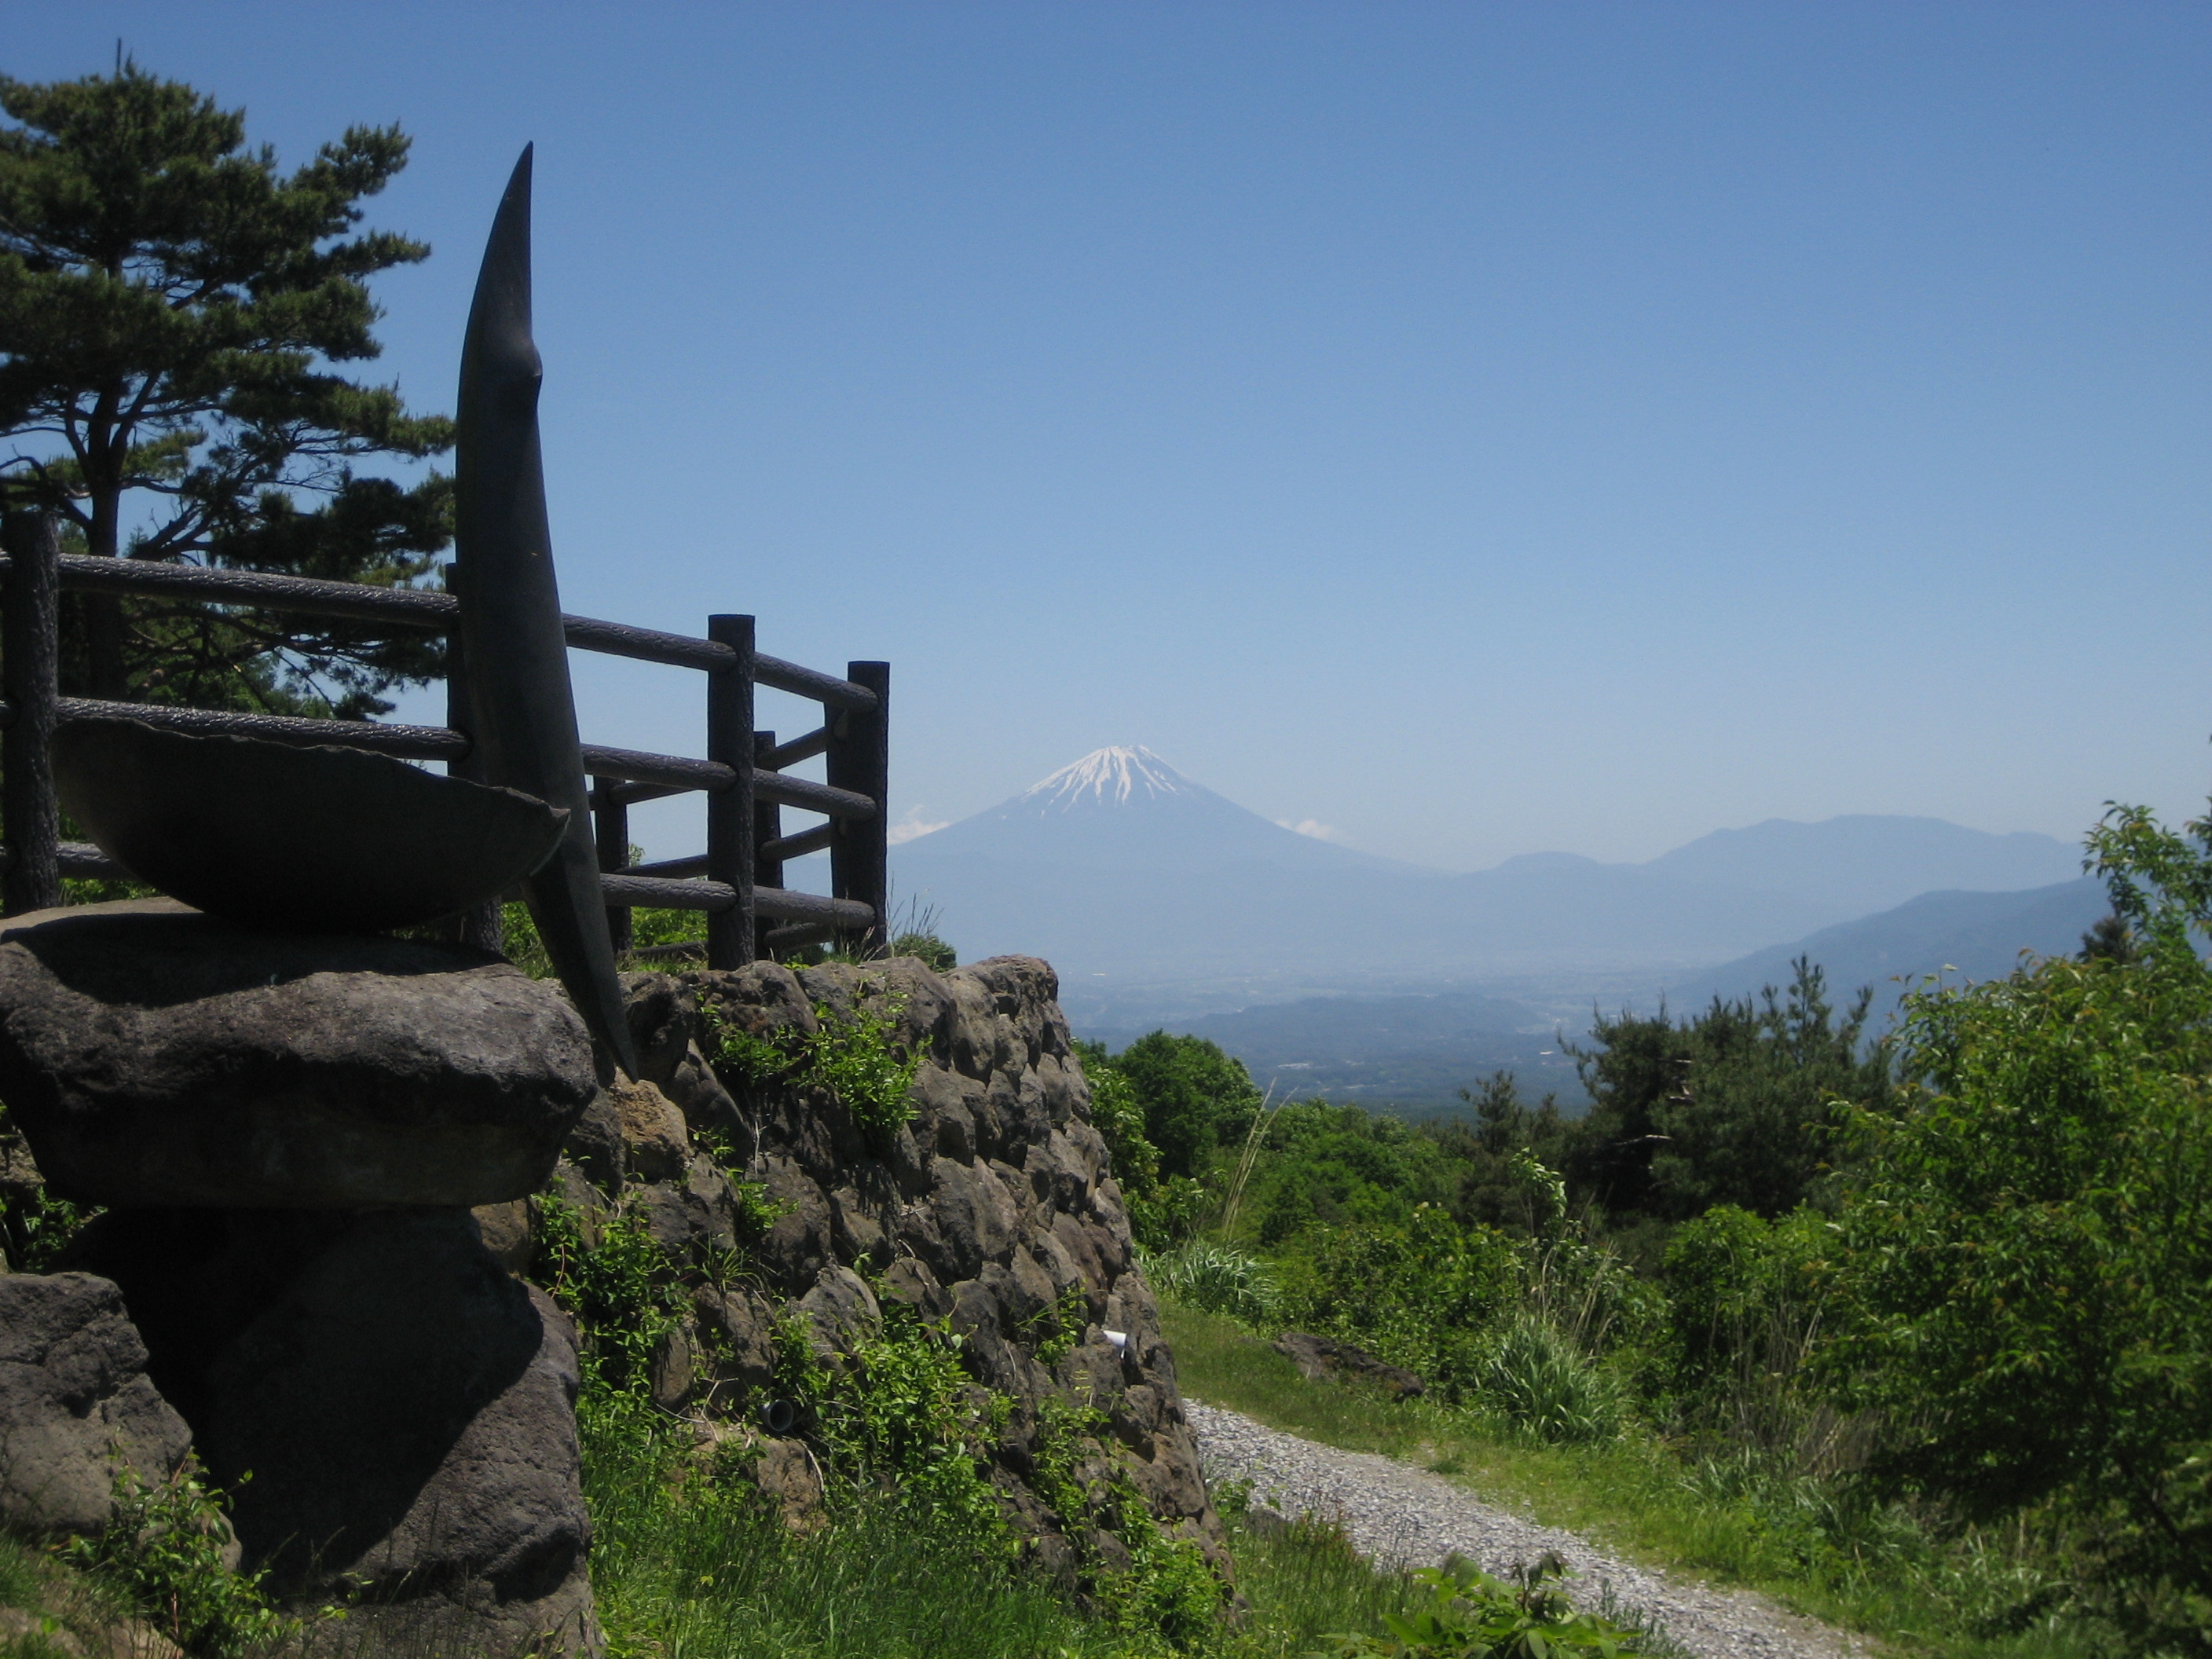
{"points": [[1863, 863], [1974, 936], [1118, 869]]}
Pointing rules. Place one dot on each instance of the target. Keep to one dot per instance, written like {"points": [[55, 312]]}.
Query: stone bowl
{"points": [[322, 839]]}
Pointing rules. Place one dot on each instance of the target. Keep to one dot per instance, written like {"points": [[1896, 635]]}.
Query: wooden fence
{"points": [[742, 774]]}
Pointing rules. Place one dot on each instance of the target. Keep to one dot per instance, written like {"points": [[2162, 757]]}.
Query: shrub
{"points": [[854, 1059], [1418, 1296], [1537, 1379], [1744, 1300], [1471, 1616], [932, 953], [622, 1289], [1216, 1279], [2025, 1263], [164, 1549]]}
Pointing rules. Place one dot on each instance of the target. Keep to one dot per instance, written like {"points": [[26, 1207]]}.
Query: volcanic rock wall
{"points": [[994, 1206]]}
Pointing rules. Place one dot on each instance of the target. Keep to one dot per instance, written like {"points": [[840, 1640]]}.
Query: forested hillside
{"points": [[1929, 1314]]}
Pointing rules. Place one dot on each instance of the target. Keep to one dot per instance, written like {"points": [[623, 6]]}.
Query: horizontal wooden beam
{"points": [[798, 846], [786, 905], [779, 902], [680, 772], [655, 893], [798, 749], [681, 869], [406, 742], [825, 689], [813, 797], [408, 607]]}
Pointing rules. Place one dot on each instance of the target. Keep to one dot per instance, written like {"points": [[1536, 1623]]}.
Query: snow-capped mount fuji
{"points": [[1116, 774], [1124, 808]]}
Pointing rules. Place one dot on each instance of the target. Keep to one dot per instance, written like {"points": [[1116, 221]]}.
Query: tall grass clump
{"points": [[1539, 1381], [1218, 1278]]}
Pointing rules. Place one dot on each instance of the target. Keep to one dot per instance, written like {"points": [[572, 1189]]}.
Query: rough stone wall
{"points": [[989, 1206]]}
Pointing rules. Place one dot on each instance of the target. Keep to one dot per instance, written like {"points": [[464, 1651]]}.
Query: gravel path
{"points": [[1396, 1513]]}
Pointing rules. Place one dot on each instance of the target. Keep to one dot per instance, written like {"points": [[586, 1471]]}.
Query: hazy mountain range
{"points": [[1134, 881], [1961, 936], [1330, 971]]}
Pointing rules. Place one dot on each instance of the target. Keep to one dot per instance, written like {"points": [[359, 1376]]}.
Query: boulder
{"points": [[1320, 1359], [75, 1404], [407, 1409], [153, 1056]]}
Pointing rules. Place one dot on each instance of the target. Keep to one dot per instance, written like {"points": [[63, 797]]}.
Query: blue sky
{"points": [[1479, 429]]}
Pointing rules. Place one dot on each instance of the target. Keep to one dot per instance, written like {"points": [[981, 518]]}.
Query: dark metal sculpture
{"points": [[524, 713], [317, 839]]}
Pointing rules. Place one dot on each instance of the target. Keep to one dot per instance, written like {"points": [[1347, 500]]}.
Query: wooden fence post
{"points": [[730, 937], [610, 836], [30, 611], [859, 759], [768, 826]]}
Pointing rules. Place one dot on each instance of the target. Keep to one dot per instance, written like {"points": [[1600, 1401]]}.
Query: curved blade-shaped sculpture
{"points": [[510, 617]]}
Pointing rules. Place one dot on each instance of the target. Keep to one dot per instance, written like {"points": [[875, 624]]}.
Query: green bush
{"points": [[622, 1289], [163, 1548], [853, 1058], [1193, 1096], [1200, 1274], [932, 953], [2026, 1259], [1471, 1616], [1537, 1379], [1744, 1306], [909, 1425], [1419, 1295]]}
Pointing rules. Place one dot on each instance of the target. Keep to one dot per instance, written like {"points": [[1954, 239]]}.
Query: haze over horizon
{"points": [[1478, 430]]}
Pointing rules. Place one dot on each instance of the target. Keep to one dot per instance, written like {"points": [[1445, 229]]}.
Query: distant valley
{"points": [[1332, 971]]}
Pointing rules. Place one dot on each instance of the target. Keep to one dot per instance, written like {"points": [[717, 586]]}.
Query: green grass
{"points": [[1637, 1500], [80, 1614], [691, 1568]]}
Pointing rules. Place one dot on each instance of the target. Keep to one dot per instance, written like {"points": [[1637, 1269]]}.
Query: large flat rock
{"points": [[153, 1056]]}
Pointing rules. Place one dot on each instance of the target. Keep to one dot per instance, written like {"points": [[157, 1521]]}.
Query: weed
{"points": [[853, 1059], [1168, 1587], [1471, 1616], [909, 1425], [163, 1548], [1055, 1329], [622, 1289], [1538, 1380], [856, 1060], [1203, 1275]]}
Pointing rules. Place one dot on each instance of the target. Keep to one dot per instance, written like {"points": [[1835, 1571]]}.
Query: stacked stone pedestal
{"points": [[289, 1131]]}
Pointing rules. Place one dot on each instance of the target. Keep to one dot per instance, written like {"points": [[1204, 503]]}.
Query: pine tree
{"points": [[172, 310]]}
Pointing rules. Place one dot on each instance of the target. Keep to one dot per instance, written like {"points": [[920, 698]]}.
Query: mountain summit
{"points": [[1122, 808], [1114, 777]]}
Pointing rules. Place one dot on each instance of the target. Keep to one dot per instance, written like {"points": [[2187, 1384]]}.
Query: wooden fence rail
{"points": [[742, 775]]}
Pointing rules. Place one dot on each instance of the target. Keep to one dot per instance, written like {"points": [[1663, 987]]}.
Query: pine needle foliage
{"points": [[175, 315]]}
